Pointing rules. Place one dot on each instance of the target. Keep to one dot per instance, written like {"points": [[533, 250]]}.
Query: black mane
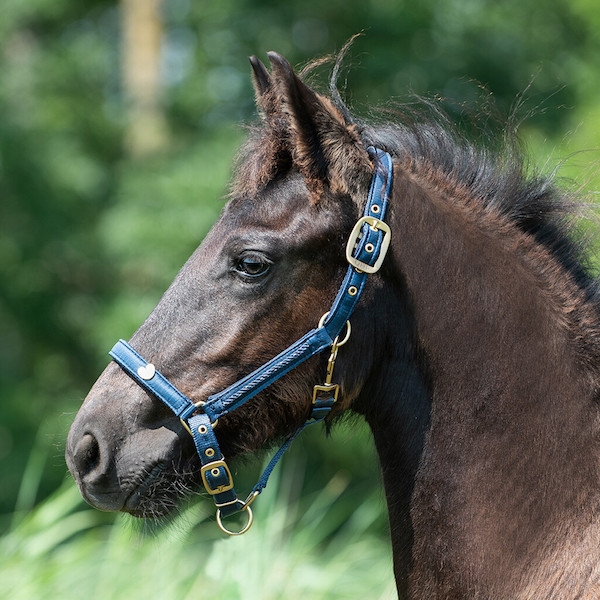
{"points": [[497, 173]]}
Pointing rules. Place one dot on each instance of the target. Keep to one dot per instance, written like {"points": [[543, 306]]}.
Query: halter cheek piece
{"points": [[365, 251]]}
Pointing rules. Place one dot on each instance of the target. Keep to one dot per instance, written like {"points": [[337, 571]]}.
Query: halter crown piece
{"points": [[365, 251]]}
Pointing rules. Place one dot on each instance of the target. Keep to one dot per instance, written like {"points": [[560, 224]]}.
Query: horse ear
{"points": [[326, 148], [263, 87]]}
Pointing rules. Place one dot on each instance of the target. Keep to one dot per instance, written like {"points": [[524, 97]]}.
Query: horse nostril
{"points": [[87, 454]]}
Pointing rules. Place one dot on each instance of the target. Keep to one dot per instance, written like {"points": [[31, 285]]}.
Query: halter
{"points": [[365, 252]]}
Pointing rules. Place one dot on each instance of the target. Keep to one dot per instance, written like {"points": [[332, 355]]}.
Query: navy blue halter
{"points": [[365, 251]]}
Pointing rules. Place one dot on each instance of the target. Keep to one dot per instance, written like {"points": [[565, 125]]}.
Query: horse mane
{"points": [[495, 173]]}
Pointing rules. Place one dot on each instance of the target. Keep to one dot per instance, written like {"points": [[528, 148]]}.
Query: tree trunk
{"points": [[142, 29]]}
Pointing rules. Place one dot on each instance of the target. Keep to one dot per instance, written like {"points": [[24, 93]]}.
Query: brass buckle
{"points": [[376, 225], [216, 464]]}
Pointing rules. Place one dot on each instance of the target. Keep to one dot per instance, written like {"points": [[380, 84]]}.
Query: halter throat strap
{"points": [[365, 252]]}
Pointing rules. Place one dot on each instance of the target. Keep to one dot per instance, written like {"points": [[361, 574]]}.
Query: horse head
{"points": [[264, 275]]}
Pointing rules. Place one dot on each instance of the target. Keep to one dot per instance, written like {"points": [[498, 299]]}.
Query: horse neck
{"points": [[491, 306], [503, 351]]}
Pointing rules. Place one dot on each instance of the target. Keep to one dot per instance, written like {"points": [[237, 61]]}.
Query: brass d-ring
{"points": [[243, 529]]}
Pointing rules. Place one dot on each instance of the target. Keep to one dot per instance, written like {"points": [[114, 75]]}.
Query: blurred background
{"points": [[118, 125]]}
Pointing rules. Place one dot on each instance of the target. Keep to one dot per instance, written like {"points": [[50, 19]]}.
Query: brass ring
{"points": [[241, 531], [346, 337], [198, 404], [322, 319]]}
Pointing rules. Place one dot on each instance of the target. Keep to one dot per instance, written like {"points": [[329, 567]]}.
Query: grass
{"points": [[318, 547]]}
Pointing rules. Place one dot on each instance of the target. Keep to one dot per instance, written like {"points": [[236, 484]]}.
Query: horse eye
{"points": [[252, 265]]}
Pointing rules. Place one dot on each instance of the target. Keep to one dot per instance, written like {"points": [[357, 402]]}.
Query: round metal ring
{"points": [[348, 330], [322, 319], [186, 427], [241, 531], [200, 404]]}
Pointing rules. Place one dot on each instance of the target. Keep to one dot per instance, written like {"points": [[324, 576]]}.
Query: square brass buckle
{"points": [[376, 225], [216, 464]]}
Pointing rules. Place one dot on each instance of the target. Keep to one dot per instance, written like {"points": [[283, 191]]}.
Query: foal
{"points": [[473, 356]]}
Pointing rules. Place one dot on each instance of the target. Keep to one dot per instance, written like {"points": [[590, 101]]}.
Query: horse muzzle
{"points": [[93, 468], [117, 469]]}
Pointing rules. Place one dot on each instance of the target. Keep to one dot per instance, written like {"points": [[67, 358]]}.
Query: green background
{"points": [[95, 223]]}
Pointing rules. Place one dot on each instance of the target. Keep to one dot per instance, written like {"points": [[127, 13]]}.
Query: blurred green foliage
{"points": [[90, 236], [61, 548]]}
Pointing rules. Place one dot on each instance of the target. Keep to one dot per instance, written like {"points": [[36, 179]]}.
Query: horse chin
{"points": [[137, 501], [159, 493]]}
